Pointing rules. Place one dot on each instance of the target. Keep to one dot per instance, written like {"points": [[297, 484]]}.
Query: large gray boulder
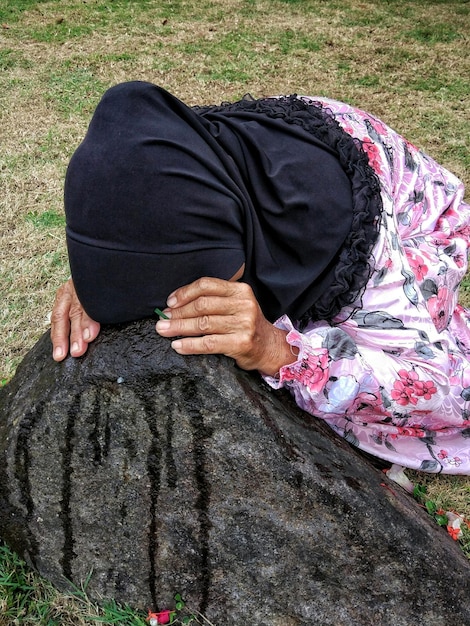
{"points": [[163, 474]]}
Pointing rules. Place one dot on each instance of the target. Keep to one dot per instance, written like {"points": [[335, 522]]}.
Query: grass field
{"points": [[406, 61]]}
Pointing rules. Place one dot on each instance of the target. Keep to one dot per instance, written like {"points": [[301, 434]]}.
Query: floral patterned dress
{"points": [[392, 375]]}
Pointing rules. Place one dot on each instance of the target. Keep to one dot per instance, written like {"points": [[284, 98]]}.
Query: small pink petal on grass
{"points": [[162, 617], [453, 526], [397, 474]]}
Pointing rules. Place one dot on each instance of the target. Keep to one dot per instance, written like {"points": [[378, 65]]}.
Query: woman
{"points": [[301, 237]]}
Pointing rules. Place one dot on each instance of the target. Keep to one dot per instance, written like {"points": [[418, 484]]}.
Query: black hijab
{"points": [[159, 194]]}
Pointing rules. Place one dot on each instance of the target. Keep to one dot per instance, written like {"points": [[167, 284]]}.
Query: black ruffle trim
{"points": [[354, 262]]}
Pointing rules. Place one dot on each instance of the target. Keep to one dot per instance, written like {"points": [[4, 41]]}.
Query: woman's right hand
{"points": [[71, 328]]}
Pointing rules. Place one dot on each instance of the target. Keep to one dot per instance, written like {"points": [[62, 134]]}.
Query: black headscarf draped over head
{"points": [[159, 194]]}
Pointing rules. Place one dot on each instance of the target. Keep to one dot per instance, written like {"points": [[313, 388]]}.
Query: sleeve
{"points": [[371, 369]]}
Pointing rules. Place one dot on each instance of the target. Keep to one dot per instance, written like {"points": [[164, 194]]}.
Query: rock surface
{"points": [[164, 474]]}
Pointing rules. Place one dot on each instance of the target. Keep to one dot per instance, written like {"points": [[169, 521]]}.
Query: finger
{"points": [[205, 286], [60, 322], [267, 353], [207, 344], [70, 325], [83, 330], [91, 329], [239, 301], [208, 315], [208, 305], [201, 325]]}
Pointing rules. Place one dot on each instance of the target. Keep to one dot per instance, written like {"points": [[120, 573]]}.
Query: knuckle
{"points": [[245, 290], [245, 343], [59, 293], [209, 344], [55, 316], [203, 323], [201, 304], [204, 283], [58, 315], [250, 307], [75, 311]]}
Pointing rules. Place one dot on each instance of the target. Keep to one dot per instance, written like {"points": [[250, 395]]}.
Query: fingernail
{"points": [[163, 325], [74, 347], [86, 334], [171, 301], [58, 353], [176, 345]]}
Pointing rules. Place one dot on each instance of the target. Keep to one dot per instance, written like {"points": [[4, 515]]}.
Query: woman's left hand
{"points": [[214, 316]]}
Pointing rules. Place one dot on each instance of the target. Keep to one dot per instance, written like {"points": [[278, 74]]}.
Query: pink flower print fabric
{"points": [[392, 373], [408, 388], [313, 371]]}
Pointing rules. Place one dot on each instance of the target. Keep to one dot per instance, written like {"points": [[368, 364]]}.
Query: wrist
{"points": [[282, 353]]}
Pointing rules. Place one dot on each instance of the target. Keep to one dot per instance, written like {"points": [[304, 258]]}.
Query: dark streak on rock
{"points": [[94, 435], [99, 443], [154, 467], [22, 467], [107, 436], [353, 483], [67, 470], [172, 475], [298, 479], [325, 471], [200, 434]]}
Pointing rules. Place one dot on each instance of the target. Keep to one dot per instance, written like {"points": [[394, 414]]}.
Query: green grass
{"points": [[27, 599], [47, 220], [10, 59], [12, 11], [405, 61], [73, 89], [435, 33]]}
